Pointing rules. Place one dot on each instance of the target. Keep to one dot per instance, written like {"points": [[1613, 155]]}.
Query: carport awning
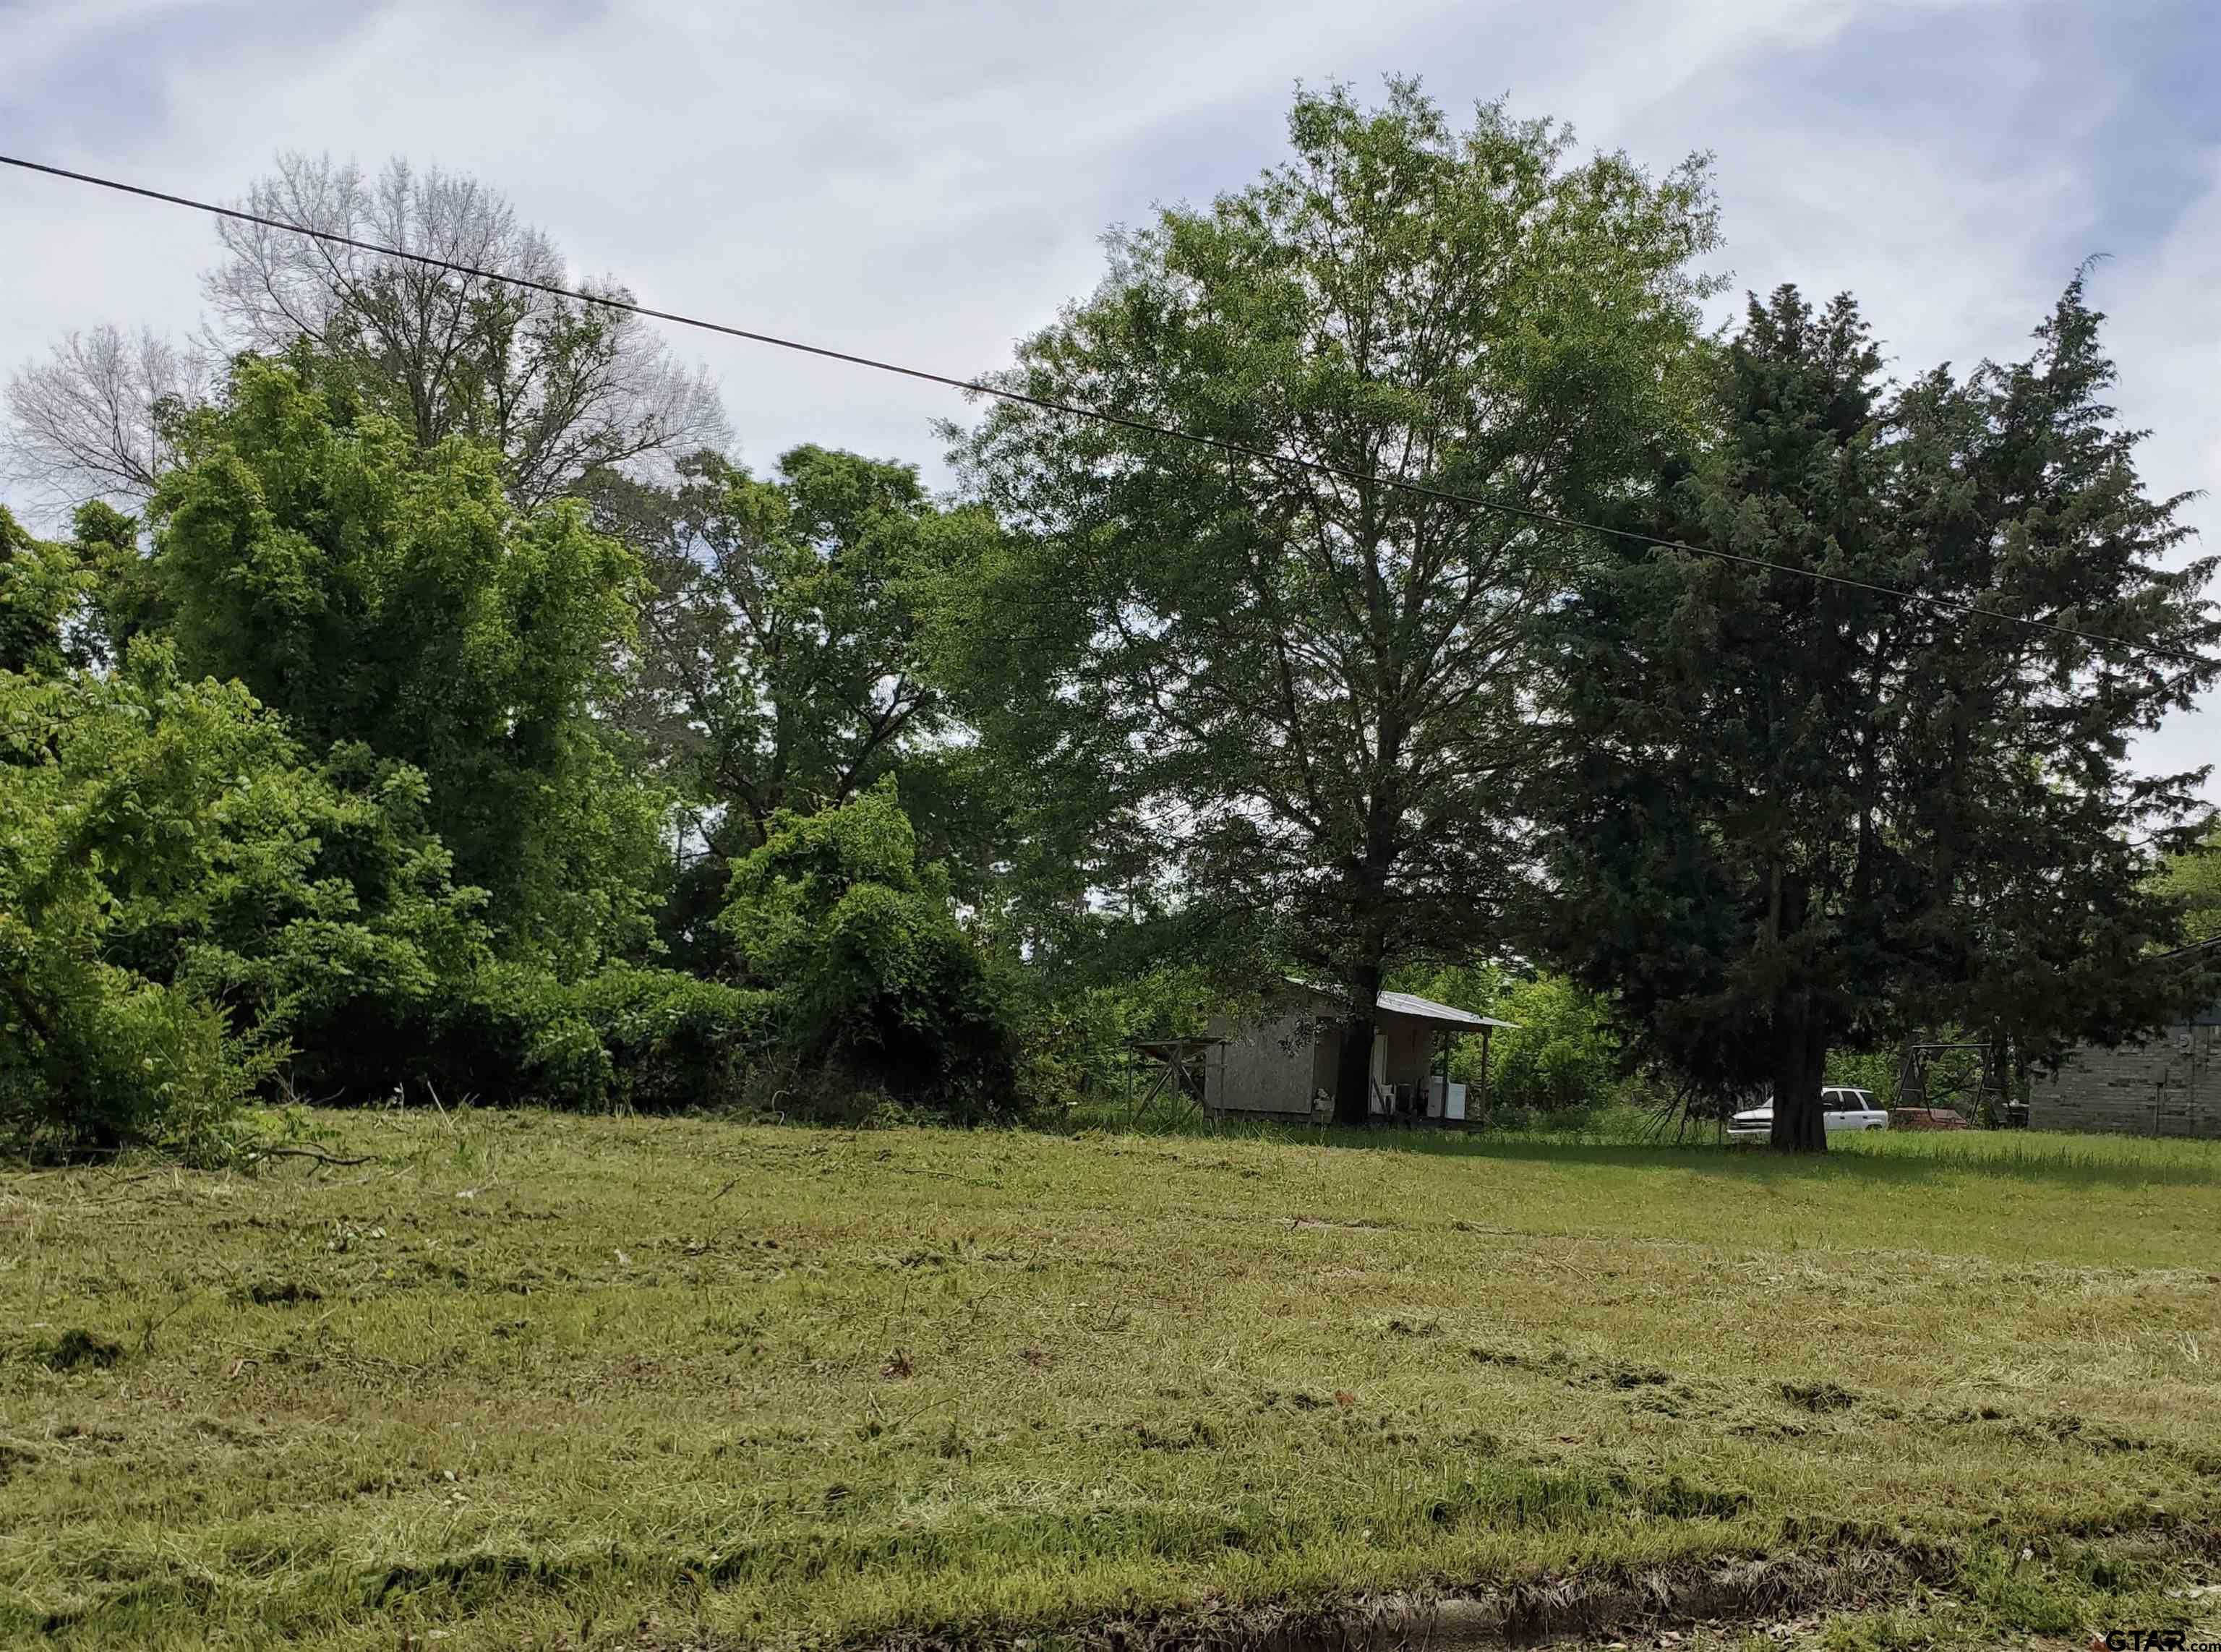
{"points": [[1418, 1009]]}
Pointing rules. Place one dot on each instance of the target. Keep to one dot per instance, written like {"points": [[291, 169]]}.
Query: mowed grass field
{"points": [[536, 1380]]}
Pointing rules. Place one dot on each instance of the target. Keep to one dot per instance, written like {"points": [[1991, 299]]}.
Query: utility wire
{"points": [[979, 387]]}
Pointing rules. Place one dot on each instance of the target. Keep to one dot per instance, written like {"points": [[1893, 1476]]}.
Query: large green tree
{"points": [[2040, 927], [370, 591], [1796, 809], [2192, 878], [1307, 687], [778, 664]]}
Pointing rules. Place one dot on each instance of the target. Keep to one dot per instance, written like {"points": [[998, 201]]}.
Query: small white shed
{"points": [[1282, 1066]]}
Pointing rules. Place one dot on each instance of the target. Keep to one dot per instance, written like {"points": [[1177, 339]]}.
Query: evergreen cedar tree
{"points": [[1794, 812], [1312, 696]]}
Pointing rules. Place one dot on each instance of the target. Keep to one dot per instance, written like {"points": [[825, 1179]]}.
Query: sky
{"points": [[929, 181]]}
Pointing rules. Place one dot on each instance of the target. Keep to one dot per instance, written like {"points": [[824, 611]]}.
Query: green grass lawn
{"points": [[528, 1379]]}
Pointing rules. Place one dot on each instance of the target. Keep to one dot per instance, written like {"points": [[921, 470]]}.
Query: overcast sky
{"points": [[928, 181]]}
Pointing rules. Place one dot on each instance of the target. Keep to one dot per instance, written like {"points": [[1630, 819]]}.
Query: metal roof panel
{"points": [[1410, 1003]]}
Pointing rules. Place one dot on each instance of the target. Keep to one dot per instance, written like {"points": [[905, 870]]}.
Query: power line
{"points": [[978, 387]]}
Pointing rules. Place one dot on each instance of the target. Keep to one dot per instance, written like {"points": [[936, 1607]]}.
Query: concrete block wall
{"points": [[2170, 1086]]}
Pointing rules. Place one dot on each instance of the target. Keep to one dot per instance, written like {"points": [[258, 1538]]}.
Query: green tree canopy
{"points": [[373, 593], [40, 588], [558, 387], [779, 666], [1306, 695], [2193, 880]]}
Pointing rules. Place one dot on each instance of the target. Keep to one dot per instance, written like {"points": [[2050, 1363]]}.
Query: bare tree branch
{"points": [[88, 422]]}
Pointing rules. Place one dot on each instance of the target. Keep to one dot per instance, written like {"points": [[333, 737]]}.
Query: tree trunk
{"points": [[1352, 1079], [1801, 1058]]}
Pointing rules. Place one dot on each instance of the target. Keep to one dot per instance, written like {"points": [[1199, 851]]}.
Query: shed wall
{"points": [[1277, 1067], [1265, 1068]]}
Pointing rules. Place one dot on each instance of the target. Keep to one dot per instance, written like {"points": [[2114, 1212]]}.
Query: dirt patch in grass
{"points": [[14, 1459], [1587, 1373], [1818, 1396], [279, 1294], [75, 1349], [1962, 1597], [1589, 1606]]}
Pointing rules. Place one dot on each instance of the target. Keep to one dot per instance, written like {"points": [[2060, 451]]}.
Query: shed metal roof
{"points": [[1412, 1005]]}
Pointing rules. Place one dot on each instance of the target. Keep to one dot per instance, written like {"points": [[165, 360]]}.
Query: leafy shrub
{"points": [[1074, 1045], [509, 1032], [1562, 1056], [191, 904], [650, 1039], [876, 982], [40, 585], [1876, 1070], [113, 791], [674, 1040], [1563, 1052], [93, 1058]]}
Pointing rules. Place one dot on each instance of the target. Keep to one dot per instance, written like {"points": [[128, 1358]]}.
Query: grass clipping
{"points": [[524, 1379]]}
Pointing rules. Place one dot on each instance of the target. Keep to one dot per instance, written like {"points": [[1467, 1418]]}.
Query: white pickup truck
{"points": [[1842, 1107]]}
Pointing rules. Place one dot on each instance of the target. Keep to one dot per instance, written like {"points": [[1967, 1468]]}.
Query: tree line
{"points": [[424, 696]]}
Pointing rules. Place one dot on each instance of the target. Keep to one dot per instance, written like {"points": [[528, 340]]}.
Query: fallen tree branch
{"points": [[311, 1153]]}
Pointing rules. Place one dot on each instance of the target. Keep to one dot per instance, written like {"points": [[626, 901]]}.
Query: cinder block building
{"points": [[2170, 1085]]}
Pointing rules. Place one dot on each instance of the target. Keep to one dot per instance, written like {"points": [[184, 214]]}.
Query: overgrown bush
{"points": [[876, 983], [1075, 1045], [1561, 1056], [114, 792], [94, 1058], [653, 1040], [674, 1040], [168, 856], [189, 911]]}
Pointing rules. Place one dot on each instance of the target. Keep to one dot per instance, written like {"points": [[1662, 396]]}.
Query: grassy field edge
{"points": [[530, 1379]]}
